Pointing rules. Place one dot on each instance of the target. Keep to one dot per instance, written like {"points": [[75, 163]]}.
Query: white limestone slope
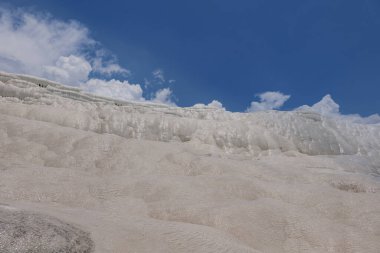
{"points": [[143, 177], [252, 133]]}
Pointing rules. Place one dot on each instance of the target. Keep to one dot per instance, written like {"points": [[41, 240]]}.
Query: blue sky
{"points": [[233, 50]]}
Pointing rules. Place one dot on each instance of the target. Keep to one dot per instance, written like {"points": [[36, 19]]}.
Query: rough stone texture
{"points": [[27, 232]]}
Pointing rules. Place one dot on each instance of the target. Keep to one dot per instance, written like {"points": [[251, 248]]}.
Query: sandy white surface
{"points": [[152, 178]]}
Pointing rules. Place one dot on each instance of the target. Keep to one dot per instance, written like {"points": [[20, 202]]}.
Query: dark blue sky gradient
{"points": [[231, 50]]}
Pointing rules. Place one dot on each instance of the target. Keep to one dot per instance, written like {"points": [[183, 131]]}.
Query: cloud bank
{"points": [[63, 51], [39, 45]]}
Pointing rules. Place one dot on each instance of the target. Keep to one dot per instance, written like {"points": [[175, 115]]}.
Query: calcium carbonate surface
{"points": [[145, 177]]}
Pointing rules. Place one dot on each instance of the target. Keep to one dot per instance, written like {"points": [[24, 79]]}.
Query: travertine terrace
{"points": [[142, 177]]}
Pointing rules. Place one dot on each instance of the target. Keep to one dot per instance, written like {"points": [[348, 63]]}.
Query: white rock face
{"points": [[144, 177]]}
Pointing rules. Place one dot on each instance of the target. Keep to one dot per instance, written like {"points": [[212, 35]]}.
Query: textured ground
{"points": [[34, 233], [122, 177]]}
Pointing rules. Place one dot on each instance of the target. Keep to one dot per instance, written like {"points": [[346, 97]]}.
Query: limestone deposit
{"points": [[122, 177]]}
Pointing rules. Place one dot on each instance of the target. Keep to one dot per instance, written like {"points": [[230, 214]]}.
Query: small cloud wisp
{"points": [[268, 101]]}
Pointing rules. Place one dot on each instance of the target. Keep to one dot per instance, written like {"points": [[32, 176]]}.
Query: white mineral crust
{"points": [[144, 177]]}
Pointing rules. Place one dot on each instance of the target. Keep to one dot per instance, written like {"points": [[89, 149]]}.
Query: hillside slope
{"points": [[143, 177]]}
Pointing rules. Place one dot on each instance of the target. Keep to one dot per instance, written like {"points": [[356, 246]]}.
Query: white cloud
{"points": [[158, 75], [31, 43], [268, 101], [157, 78], [215, 104], [107, 67], [163, 96], [37, 44], [328, 107], [71, 70], [122, 90]]}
